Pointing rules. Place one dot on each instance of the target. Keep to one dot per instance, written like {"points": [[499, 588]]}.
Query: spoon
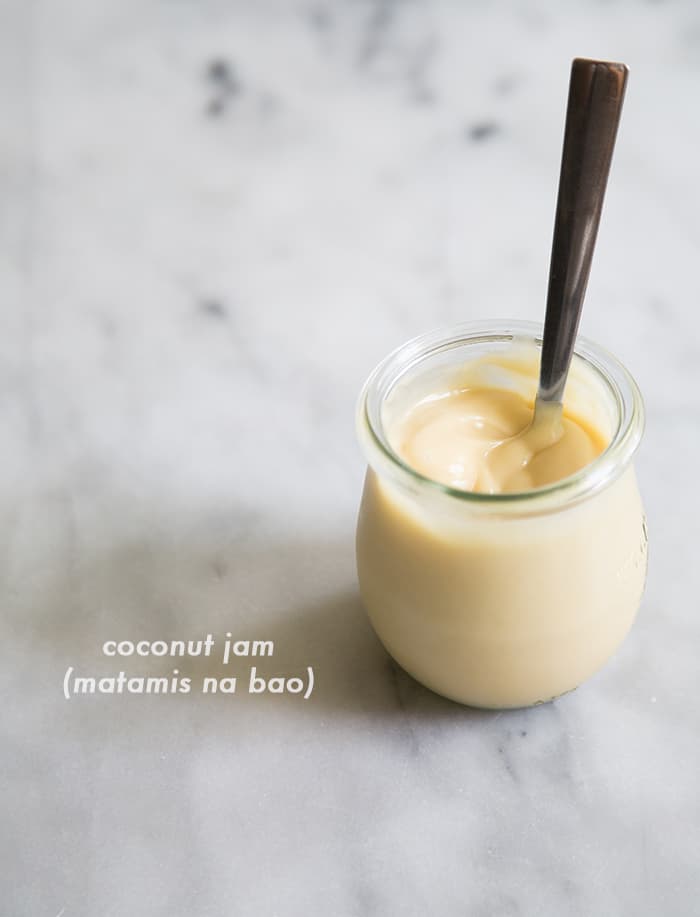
{"points": [[596, 92]]}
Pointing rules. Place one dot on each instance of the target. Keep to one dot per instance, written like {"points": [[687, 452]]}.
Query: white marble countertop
{"points": [[217, 216]]}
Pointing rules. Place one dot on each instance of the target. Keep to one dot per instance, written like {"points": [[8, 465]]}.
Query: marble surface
{"points": [[217, 217]]}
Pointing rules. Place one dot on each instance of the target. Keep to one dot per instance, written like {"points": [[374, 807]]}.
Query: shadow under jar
{"points": [[501, 600]]}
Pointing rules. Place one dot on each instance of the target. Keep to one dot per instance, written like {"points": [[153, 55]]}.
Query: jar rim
{"points": [[588, 480]]}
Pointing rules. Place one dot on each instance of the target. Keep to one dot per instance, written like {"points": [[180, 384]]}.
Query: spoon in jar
{"points": [[596, 92]]}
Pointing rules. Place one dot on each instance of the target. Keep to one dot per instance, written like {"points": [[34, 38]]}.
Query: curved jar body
{"points": [[501, 600]]}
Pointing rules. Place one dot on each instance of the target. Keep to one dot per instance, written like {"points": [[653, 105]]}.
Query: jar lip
{"points": [[593, 477]]}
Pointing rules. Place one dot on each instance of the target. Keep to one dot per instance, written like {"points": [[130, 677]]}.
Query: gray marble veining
{"points": [[216, 218]]}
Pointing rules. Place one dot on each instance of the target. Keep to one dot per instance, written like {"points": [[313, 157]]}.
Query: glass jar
{"points": [[501, 600]]}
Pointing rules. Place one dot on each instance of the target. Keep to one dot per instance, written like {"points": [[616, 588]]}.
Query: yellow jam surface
{"points": [[464, 438]]}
